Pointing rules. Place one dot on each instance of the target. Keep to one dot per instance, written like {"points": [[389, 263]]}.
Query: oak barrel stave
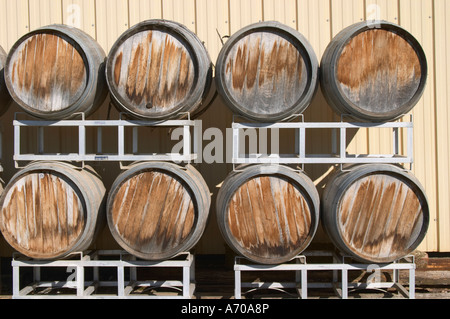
{"points": [[373, 71], [375, 213], [57, 72], [267, 72], [159, 70], [52, 209], [156, 211], [268, 214]]}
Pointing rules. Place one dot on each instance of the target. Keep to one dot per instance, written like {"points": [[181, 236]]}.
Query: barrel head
{"points": [[373, 71], [152, 214], [379, 71], [42, 215], [154, 72], [375, 213], [46, 73], [267, 72], [268, 214], [158, 70]]}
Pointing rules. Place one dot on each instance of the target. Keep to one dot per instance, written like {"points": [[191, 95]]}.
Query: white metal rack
{"points": [[301, 267], [190, 147], [339, 141], [76, 287]]}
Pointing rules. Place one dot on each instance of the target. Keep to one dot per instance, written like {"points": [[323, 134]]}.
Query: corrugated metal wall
{"points": [[318, 21]]}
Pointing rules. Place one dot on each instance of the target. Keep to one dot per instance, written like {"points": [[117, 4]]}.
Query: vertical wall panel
{"points": [[212, 25], [80, 14], [14, 22], [112, 21], [182, 11], [243, 13], [141, 10], [283, 11], [416, 17], [442, 69], [44, 12]]}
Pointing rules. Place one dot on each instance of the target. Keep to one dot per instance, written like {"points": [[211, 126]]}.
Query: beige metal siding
{"points": [[318, 21]]}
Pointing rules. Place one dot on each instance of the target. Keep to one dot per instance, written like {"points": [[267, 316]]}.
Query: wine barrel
{"points": [[55, 72], [373, 71], [156, 211], [5, 97], [51, 209], [158, 70], [267, 72], [375, 213], [268, 213]]}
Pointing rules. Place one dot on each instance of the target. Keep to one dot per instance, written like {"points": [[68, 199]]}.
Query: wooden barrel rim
{"points": [[289, 34], [234, 182], [66, 36], [336, 47], [196, 194], [333, 201], [55, 171], [202, 76]]}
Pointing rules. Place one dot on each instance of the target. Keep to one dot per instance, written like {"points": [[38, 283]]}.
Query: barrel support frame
{"points": [[189, 137], [339, 154], [120, 260], [301, 268]]}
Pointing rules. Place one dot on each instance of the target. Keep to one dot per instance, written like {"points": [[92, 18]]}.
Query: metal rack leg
{"points": [[186, 282], [237, 284], [120, 281], [80, 281], [16, 281], [344, 284], [412, 283]]}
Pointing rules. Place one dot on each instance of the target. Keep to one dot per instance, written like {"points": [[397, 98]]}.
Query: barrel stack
{"points": [[159, 70], [374, 72], [52, 209], [267, 72]]}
